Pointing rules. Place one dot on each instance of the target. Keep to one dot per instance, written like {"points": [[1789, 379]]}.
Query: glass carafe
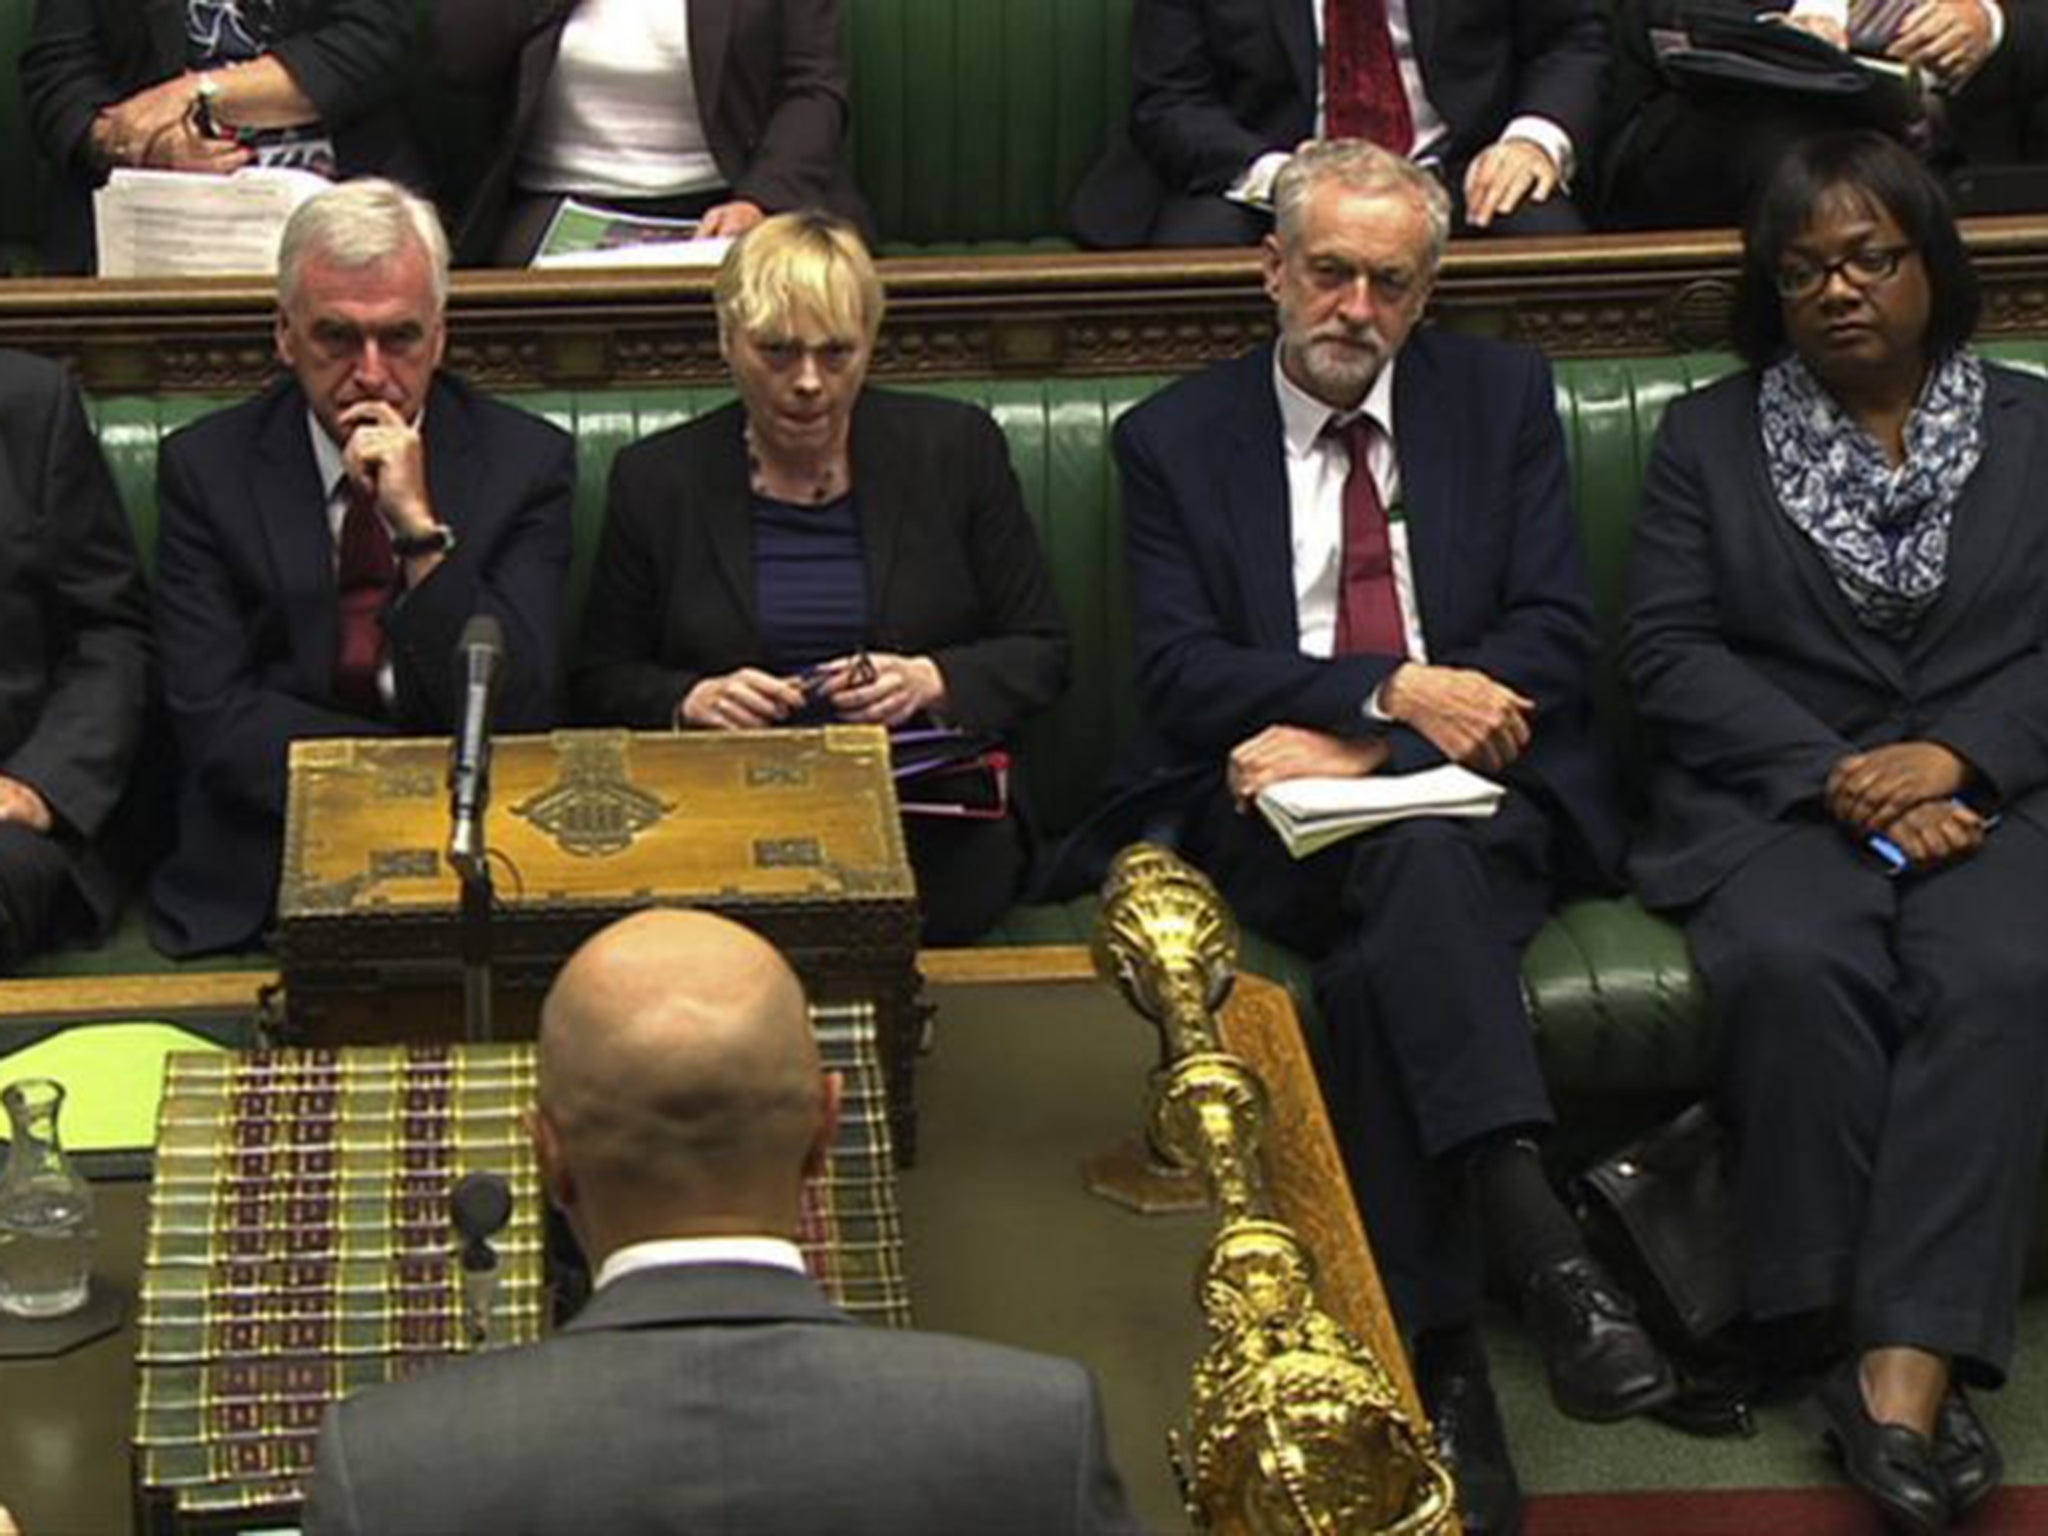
{"points": [[46, 1227]]}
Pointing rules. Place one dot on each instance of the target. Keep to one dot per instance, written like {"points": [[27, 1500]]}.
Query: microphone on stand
{"points": [[481, 654], [478, 1208]]}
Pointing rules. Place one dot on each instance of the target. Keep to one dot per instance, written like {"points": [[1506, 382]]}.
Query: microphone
{"points": [[481, 655], [478, 1208]]}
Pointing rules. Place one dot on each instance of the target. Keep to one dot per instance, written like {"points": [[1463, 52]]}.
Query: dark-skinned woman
{"points": [[1839, 641], [821, 551]]}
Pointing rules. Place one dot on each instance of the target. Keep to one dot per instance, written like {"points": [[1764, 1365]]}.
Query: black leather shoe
{"points": [[1968, 1459], [1891, 1463], [1474, 1448], [1601, 1363]]}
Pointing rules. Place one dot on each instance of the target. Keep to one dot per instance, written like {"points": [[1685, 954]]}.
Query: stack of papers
{"points": [[187, 224], [1311, 814]]}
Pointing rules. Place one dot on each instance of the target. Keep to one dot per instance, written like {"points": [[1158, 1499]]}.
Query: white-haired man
{"points": [[321, 547]]}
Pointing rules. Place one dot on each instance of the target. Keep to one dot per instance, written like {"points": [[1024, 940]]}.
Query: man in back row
{"points": [[708, 1385], [322, 546], [1499, 98]]}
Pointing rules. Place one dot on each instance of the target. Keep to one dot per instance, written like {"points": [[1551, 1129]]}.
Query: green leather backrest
{"points": [[975, 120], [1058, 431]]}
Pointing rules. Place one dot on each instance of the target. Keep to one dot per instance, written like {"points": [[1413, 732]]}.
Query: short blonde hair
{"points": [[361, 223], [1358, 165], [794, 267]]}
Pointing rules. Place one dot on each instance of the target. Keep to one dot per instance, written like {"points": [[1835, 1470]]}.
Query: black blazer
{"points": [[1754, 676], [1217, 83], [725, 1397], [82, 55], [74, 621], [770, 81], [954, 567], [246, 619], [1499, 577]]}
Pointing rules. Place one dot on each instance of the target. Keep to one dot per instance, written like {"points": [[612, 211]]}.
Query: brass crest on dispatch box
{"points": [[591, 810]]}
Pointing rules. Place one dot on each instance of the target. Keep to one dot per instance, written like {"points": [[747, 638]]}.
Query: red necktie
{"points": [[1363, 97], [1368, 609], [362, 580]]}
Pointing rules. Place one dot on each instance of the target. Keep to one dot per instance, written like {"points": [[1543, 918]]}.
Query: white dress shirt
{"points": [[661, 1253], [327, 459], [1431, 131], [1316, 469]]}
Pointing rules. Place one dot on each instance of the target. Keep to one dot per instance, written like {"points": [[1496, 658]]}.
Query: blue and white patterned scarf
{"points": [[1883, 532]]}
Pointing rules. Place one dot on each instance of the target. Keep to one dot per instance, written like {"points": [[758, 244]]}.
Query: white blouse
{"points": [[619, 115]]}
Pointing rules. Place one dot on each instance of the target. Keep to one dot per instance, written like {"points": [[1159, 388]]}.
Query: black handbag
{"points": [[1718, 53], [1661, 1215]]}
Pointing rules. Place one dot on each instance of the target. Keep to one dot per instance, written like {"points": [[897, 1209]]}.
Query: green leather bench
{"points": [[1611, 991], [974, 120]]}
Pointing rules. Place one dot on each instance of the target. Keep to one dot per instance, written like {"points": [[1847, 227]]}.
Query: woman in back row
{"points": [[210, 86], [723, 111]]}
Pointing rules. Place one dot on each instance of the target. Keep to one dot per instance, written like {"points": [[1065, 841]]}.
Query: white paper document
{"points": [[1311, 814], [187, 224]]}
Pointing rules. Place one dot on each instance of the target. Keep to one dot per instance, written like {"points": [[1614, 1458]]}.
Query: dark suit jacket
{"points": [[74, 620], [246, 619], [1754, 676], [1499, 575], [1217, 83], [954, 568], [346, 55], [728, 1398], [770, 80]]}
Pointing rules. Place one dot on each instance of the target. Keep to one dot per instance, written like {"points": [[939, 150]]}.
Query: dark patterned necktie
{"points": [[1363, 97], [362, 578], [1368, 608]]}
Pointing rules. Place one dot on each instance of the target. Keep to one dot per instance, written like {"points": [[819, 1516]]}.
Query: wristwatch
{"points": [[437, 540], [206, 106]]}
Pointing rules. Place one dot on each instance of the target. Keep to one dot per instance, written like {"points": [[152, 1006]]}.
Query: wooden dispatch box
{"points": [[792, 832]]}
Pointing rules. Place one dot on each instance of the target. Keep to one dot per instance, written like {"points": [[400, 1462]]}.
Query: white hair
{"points": [[361, 223]]}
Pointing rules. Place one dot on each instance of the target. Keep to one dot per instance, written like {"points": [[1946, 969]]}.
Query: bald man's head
{"points": [[680, 1088]]}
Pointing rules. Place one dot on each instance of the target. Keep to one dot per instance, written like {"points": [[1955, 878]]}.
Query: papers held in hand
{"points": [[581, 235], [1311, 814], [184, 224]]}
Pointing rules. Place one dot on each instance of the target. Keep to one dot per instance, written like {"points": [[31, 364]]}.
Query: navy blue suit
{"points": [[1880, 1042], [247, 619], [1420, 925], [1217, 83]]}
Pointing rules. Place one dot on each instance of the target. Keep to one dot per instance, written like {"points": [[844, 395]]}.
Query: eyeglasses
{"points": [[1801, 277]]}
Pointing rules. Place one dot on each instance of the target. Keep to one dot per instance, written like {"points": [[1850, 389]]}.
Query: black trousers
{"points": [[967, 873], [1420, 927], [38, 906], [1883, 1050]]}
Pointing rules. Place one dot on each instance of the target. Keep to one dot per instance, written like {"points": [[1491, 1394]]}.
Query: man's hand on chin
{"points": [[1282, 752], [1466, 715]]}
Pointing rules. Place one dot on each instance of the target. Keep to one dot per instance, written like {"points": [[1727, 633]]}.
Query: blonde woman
{"points": [[820, 551]]}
